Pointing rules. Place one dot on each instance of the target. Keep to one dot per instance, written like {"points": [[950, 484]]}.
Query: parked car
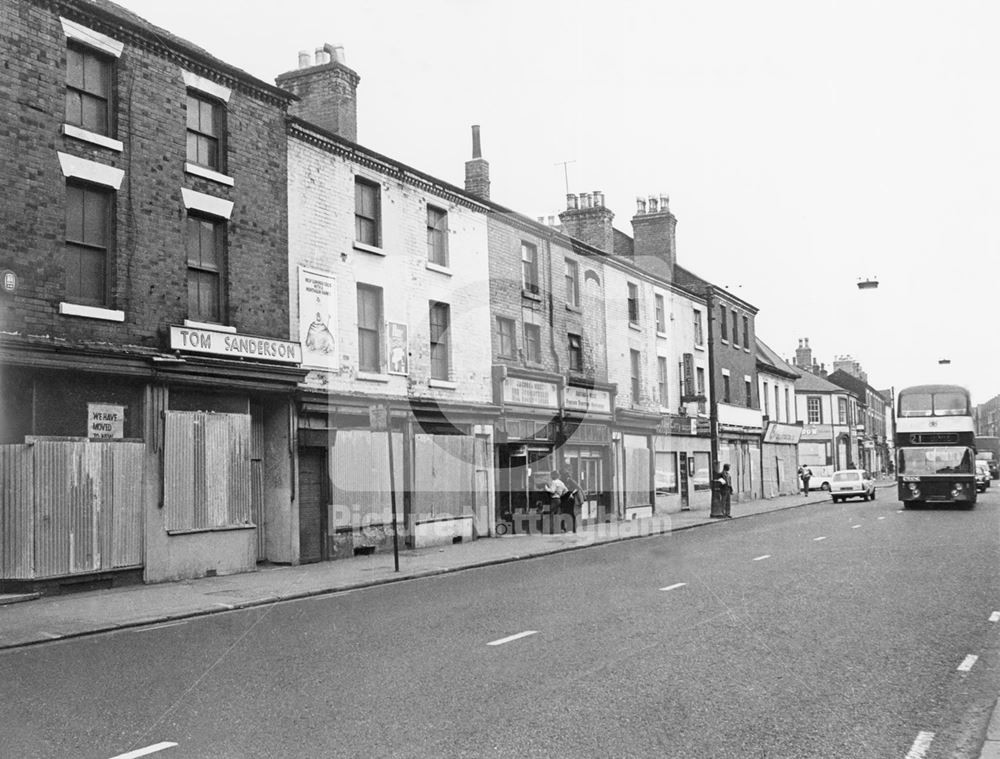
{"points": [[852, 483], [983, 476], [821, 476]]}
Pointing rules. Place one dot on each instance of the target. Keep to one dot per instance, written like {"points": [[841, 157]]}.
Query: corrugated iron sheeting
{"points": [[207, 481], [17, 515], [359, 478], [444, 476]]}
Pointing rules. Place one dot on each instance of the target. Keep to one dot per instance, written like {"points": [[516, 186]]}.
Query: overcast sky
{"points": [[804, 145]]}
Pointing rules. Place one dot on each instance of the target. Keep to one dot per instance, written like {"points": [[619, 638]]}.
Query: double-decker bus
{"points": [[935, 446]]}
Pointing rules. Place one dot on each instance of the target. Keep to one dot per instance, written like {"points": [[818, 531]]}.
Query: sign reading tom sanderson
{"points": [[232, 345]]}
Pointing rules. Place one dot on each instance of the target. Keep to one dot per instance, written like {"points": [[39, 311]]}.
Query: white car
{"points": [[852, 483]]}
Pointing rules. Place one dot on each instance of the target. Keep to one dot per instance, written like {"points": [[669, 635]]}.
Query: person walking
{"points": [[805, 473], [557, 489], [726, 492]]}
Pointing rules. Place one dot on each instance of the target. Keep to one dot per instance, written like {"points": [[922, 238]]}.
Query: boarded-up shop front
{"points": [[634, 462], [779, 459]]}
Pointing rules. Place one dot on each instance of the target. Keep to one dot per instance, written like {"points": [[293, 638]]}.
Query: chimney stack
{"points": [[327, 90], [477, 171], [586, 219], [654, 229], [803, 355]]}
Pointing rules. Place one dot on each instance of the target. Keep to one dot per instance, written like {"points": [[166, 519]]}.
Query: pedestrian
{"points": [[805, 473], [557, 489], [726, 492]]}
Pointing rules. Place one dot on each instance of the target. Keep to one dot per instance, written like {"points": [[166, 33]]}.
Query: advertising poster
{"points": [[399, 361], [318, 319]]}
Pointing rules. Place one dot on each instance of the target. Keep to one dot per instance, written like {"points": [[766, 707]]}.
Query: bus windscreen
{"points": [[950, 460]]}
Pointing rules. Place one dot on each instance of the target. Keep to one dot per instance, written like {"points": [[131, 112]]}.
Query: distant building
{"points": [[780, 444]]}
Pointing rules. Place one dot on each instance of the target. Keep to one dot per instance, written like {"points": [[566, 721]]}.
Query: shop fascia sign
{"points": [[528, 392], [586, 399], [788, 434], [234, 345]]}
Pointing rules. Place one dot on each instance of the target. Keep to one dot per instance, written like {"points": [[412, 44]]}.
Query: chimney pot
{"points": [[336, 52], [477, 148], [585, 200], [571, 202], [598, 198], [664, 202], [652, 204], [305, 59], [640, 206], [552, 221]]}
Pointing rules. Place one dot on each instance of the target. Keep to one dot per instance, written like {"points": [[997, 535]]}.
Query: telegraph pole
{"points": [[713, 407]]}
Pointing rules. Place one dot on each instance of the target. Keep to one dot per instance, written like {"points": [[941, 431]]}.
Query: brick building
{"points": [[146, 366], [779, 454]]}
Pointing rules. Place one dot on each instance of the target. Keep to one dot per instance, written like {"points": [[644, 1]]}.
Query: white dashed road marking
{"points": [[761, 558], [881, 517], [821, 537], [674, 586], [509, 638], [855, 526], [145, 751], [967, 663], [919, 748], [995, 616]]}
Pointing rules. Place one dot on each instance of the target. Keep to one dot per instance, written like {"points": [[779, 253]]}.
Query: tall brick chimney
{"points": [[654, 229], [477, 171], [804, 355], [586, 218], [327, 90]]}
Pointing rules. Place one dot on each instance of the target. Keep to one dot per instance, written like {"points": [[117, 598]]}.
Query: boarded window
{"points": [[206, 470]]}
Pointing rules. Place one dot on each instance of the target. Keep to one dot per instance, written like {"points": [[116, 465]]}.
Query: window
{"points": [[437, 236], [533, 343], [529, 267], [815, 410], [572, 283], [633, 303], [661, 313], [508, 337], [205, 256], [842, 410], [748, 389], [726, 389], [736, 327], [205, 131], [746, 332], [440, 321], [723, 327], [777, 398], [634, 363], [366, 212], [661, 379], [699, 338], [88, 90], [700, 374], [369, 328], [767, 409], [665, 477], [702, 475], [88, 243], [788, 407], [575, 352]]}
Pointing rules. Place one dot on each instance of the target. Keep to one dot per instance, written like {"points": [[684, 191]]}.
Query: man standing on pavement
{"points": [[805, 473], [726, 491], [557, 489]]}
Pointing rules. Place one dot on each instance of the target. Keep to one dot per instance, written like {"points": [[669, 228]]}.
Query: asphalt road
{"points": [[824, 631]]}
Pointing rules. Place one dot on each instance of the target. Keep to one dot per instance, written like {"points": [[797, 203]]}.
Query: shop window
{"points": [[701, 479], [665, 475]]}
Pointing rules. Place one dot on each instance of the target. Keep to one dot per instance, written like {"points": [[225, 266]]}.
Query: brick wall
{"points": [[322, 237], [149, 261]]}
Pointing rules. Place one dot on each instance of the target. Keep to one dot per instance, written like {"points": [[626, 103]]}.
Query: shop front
{"points": [[780, 459], [633, 455], [586, 447], [439, 470], [682, 461]]}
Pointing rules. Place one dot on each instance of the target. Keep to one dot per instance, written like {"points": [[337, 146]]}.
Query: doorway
{"points": [[313, 496]]}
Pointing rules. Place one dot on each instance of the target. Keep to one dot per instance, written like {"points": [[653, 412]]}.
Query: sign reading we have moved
{"points": [[233, 345]]}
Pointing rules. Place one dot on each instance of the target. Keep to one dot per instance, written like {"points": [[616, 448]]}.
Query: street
{"points": [[832, 630]]}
